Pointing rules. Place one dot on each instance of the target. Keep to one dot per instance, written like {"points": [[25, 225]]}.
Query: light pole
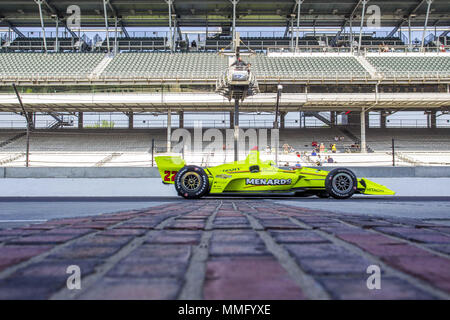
{"points": [[275, 124]]}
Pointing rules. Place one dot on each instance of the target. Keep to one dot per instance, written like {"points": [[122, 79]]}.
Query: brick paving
{"points": [[226, 249]]}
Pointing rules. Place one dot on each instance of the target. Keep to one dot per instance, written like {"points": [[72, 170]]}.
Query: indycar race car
{"points": [[253, 176]]}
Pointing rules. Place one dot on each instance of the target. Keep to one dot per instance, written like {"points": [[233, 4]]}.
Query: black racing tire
{"points": [[192, 182], [341, 183], [323, 195]]}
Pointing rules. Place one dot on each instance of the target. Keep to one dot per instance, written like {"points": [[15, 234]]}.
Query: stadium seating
{"points": [[52, 64], [87, 142], [264, 66], [392, 66], [166, 65], [409, 140], [209, 65]]}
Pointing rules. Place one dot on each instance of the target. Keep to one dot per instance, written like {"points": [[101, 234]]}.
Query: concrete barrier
{"points": [[80, 172], [126, 172]]}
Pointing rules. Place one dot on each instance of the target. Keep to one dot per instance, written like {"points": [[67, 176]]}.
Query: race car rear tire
{"points": [[341, 183], [192, 182]]}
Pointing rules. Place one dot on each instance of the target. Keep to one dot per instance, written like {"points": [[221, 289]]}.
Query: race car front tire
{"points": [[191, 182], [341, 183]]}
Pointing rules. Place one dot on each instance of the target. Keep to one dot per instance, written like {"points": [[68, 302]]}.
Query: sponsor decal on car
{"points": [[223, 176], [268, 182]]}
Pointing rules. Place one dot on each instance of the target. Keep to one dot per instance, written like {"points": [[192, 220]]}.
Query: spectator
{"points": [[298, 165], [286, 164], [336, 138], [314, 153], [322, 148], [268, 149], [314, 144], [319, 161], [330, 159], [194, 44], [333, 148], [442, 48]]}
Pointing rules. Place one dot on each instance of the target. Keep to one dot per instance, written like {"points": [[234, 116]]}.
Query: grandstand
{"points": [[326, 73]]}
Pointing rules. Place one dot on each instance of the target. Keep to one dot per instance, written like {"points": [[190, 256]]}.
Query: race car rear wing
{"points": [[168, 166]]}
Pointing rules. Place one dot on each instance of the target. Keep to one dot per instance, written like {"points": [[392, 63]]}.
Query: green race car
{"points": [[253, 176]]}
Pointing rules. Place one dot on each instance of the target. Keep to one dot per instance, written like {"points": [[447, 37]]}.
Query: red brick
{"points": [[367, 239], [14, 254], [297, 236], [43, 239], [133, 289], [175, 237], [173, 252], [122, 232], [187, 224], [347, 265], [77, 252], [234, 236], [433, 269], [237, 249], [146, 268], [278, 224], [356, 289], [249, 279], [93, 225], [316, 250]]}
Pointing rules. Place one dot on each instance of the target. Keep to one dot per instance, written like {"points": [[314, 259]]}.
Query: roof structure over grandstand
{"points": [[198, 13]]}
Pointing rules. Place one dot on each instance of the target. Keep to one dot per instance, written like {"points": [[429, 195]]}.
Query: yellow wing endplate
{"points": [[168, 166], [370, 187]]}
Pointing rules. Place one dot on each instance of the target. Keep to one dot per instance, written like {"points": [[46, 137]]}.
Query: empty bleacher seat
{"points": [[51, 64], [413, 65]]}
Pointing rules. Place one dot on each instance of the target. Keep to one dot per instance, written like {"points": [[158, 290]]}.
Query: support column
{"points": [[363, 131], [333, 117], [181, 119], [169, 130], [282, 120], [130, 120], [234, 2], [57, 37], [362, 24], [169, 2], [429, 2], [383, 116], [115, 35], [106, 24], [292, 32], [433, 119], [409, 33], [80, 120], [231, 119], [31, 116], [39, 3], [351, 33], [299, 5]]}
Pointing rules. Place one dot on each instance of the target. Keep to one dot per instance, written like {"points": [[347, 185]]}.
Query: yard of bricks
{"points": [[226, 249]]}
